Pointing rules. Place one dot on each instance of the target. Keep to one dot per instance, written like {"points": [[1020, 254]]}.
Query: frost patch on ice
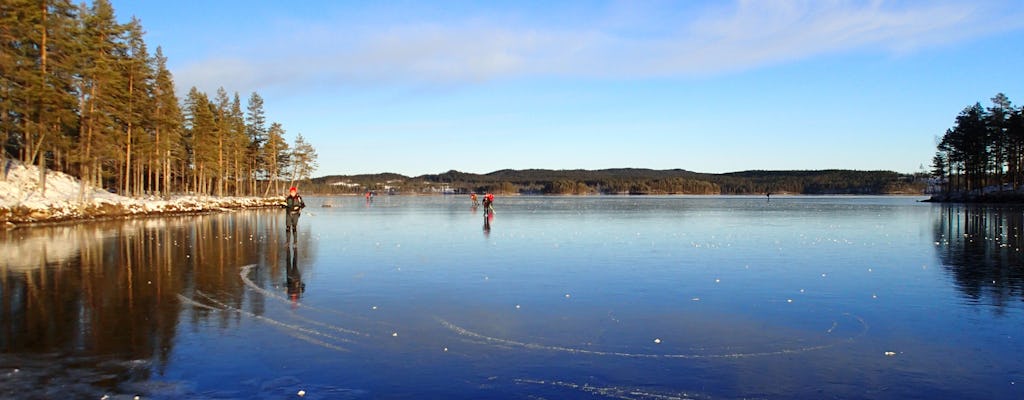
{"points": [[23, 201]]}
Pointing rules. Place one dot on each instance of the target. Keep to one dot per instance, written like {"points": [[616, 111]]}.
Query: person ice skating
{"points": [[293, 205], [488, 203], [472, 197]]}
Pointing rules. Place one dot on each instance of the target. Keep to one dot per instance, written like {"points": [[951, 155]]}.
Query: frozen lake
{"points": [[616, 297]]}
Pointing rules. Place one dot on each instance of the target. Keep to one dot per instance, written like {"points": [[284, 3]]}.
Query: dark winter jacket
{"points": [[294, 204]]}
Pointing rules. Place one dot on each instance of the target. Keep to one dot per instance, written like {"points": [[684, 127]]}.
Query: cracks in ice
{"points": [[613, 392], [491, 340], [297, 331], [244, 274]]}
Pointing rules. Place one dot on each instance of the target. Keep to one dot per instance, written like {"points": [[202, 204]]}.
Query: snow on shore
{"points": [[22, 201]]}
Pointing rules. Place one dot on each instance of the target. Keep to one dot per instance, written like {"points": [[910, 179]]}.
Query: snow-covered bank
{"points": [[22, 201]]}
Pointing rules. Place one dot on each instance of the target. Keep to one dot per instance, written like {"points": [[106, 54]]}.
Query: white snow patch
{"points": [[21, 199]]}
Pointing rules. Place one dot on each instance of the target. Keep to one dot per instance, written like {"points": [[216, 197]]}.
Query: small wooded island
{"points": [[981, 158]]}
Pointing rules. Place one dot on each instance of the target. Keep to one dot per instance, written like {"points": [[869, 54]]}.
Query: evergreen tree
{"points": [[275, 152], [16, 66], [11, 61], [939, 165], [79, 92], [138, 76], [303, 159], [256, 129], [239, 143], [985, 146], [167, 122], [1015, 136], [222, 129], [47, 53], [1004, 151], [101, 90], [200, 139]]}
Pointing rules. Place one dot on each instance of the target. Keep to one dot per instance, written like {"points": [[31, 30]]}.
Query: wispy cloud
{"points": [[713, 39], [756, 33]]}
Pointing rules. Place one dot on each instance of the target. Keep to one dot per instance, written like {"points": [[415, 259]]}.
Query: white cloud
{"points": [[717, 39]]}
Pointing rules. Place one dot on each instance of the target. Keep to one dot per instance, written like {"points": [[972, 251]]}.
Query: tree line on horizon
{"points": [[80, 93], [985, 147], [629, 181]]}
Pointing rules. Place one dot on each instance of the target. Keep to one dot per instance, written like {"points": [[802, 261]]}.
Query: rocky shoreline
{"points": [[996, 197], [19, 215], [23, 201]]}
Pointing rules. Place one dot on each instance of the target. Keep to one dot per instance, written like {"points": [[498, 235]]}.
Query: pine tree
{"points": [[1002, 148], [256, 128], [16, 60], [200, 139], [49, 47], [167, 122], [100, 89], [303, 159], [239, 143], [138, 76], [275, 151], [1015, 135], [222, 129], [966, 146], [79, 92]]}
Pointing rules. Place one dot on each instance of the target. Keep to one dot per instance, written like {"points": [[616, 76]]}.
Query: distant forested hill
{"points": [[628, 181], [833, 181]]}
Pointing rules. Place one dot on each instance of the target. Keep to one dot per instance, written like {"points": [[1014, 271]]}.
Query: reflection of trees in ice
{"points": [[981, 247], [35, 248], [110, 289]]}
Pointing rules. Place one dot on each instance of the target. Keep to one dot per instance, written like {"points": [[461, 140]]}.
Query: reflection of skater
{"points": [[488, 212], [293, 205], [293, 278], [487, 222]]}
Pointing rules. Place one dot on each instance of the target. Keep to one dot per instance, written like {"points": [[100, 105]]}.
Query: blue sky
{"points": [[708, 86]]}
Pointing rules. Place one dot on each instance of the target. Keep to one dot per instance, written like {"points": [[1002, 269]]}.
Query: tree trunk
{"points": [[167, 174], [42, 174], [220, 164]]}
